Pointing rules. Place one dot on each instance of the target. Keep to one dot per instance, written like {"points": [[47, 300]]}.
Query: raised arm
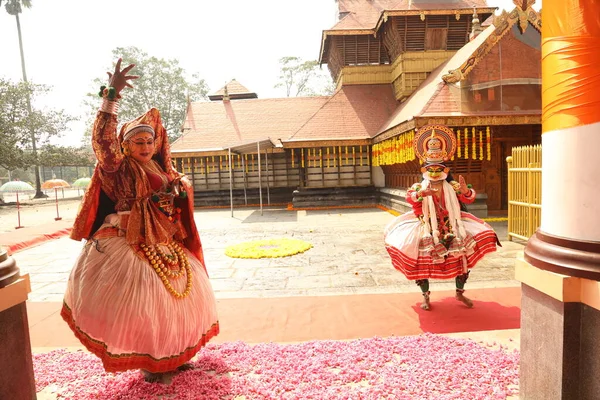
{"points": [[104, 134], [465, 193]]}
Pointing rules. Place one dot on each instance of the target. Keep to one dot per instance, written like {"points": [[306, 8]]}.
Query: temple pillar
{"points": [[16, 366], [560, 270]]}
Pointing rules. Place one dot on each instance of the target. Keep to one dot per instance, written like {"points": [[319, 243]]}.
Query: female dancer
{"points": [[138, 296]]}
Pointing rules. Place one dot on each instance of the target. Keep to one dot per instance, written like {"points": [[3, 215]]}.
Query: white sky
{"points": [[68, 43]]}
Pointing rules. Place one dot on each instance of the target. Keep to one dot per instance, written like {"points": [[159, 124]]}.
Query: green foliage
{"points": [[14, 7], [16, 123], [58, 156], [303, 78], [161, 84]]}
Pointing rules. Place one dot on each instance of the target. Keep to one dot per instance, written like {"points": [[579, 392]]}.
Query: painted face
{"points": [[435, 173], [141, 146]]}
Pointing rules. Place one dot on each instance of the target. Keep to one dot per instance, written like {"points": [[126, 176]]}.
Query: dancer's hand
{"points": [[463, 188], [119, 79], [426, 192]]}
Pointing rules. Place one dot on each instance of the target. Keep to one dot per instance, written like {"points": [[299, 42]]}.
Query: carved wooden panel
{"points": [[435, 38]]}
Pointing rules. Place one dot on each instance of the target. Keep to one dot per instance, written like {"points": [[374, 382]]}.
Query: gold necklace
{"points": [[177, 262]]}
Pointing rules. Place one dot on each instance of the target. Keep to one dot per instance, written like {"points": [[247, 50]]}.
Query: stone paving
{"points": [[348, 256]]}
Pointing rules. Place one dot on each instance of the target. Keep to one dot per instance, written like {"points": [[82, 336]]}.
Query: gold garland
{"points": [[170, 266], [396, 150], [474, 144], [466, 143], [480, 145], [488, 142]]}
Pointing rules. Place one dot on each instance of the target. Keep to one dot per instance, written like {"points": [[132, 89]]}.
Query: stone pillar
{"points": [[16, 366], [560, 271]]}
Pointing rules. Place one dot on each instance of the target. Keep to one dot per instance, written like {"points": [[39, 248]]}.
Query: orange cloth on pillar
{"points": [[570, 59]]}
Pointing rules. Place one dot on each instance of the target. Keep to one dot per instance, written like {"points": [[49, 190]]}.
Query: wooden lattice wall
{"points": [[400, 34], [335, 166], [331, 166], [212, 172]]}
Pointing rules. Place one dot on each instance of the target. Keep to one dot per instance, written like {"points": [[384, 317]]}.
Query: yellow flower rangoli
{"points": [[268, 248]]}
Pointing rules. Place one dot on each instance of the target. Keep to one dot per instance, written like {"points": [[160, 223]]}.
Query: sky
{"points": [[69, 43]]}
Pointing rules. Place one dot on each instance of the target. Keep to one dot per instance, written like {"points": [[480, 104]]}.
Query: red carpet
{"points": [[298, 319], [26, 237], [448, 316], [294, 319]]}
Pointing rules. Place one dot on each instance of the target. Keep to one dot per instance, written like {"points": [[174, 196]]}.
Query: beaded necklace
{"points": [[173, 265]]}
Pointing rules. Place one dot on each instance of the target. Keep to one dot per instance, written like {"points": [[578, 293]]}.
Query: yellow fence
{"points": [[524, 191]]}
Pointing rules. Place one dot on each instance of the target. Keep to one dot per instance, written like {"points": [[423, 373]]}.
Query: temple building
{"points": [[397, 65]]}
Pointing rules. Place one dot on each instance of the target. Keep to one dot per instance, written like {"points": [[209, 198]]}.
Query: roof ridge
{"points": [[502, 24]]}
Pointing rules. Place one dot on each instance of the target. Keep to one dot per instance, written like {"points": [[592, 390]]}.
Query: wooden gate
{"points": [[524, 191]]}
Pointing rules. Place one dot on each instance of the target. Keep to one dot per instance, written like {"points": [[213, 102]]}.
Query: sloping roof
{"points": [[433, 97], [423, 96], [366, 14], [353, 112], [502, 25], [235, 90], [215, 125]]}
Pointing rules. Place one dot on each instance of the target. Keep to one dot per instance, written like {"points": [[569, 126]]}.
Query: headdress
{"points": [[434, 144], [151, 122], [133, 130]]}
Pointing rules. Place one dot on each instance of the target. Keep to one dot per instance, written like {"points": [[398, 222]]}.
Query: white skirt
{"points": [[414, 254], [119, 308]]}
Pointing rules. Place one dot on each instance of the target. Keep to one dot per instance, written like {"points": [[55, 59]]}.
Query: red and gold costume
{"points": [[139, 295], [437, 239]]}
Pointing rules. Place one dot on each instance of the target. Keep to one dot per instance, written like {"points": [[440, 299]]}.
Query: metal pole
{"points": [[230, 184], [259, 179], [245, 179], [18, 213], [267, 166], [58, 218]]}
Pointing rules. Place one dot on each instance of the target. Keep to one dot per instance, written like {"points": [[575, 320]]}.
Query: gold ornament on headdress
{"points": [[434, 144]]}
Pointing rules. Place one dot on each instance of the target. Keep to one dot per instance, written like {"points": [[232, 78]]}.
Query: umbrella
{"points": [[82, 183], [55, 183], [17, 187]]}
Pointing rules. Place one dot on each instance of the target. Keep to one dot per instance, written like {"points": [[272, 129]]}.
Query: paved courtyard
{"points": [[348, 256]]}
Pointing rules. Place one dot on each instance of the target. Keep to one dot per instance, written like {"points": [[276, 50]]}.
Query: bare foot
{"points": [[426, 304], [463, 299], [152, 377], [185, 367]]}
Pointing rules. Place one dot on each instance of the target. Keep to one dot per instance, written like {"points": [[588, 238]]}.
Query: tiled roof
{"points": [[434, 97], [234, 89], [218, 124], [353, 112], [443, 102], [364, 14]]}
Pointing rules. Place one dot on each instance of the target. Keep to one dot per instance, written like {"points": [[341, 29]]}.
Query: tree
{"points": [[64, 156], [303, 78], [18, 120], [15, 7], [161, 84]]}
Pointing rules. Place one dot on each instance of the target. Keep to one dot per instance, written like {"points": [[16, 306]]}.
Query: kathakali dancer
{"points": [[138, 296], [438, 239]]}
